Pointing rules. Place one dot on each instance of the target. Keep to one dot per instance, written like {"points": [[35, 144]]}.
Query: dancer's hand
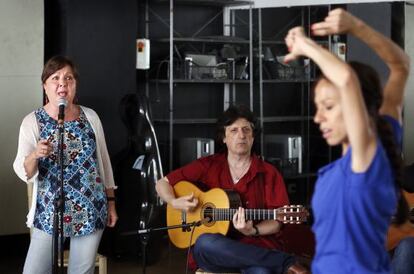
{"points": [[296, 42], [338, 21]]}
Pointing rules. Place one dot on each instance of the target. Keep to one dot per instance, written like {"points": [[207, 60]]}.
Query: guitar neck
{"points": [[226, 214]]}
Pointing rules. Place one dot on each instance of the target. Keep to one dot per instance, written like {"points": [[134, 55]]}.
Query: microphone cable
{"points": [[189, 248]]}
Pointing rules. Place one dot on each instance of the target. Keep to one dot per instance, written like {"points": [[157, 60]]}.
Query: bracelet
{"points": [[256, 233], [109, 199]]}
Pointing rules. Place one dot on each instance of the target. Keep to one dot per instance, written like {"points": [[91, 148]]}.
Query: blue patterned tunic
{"points": [[85, 200]]}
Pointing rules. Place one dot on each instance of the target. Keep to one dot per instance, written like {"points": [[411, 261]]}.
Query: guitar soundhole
{"points": [[207, 214]]}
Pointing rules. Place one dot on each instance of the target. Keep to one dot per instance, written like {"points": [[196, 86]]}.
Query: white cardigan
{"points": [[28, 139]]}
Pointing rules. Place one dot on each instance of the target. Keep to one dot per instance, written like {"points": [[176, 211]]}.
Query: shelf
{"points": [[296, 80], [215, 39], [187, 121], [299, 176], [218, 81], [283, 43], [273, 42], [219, 3], [198, 81], [213, 120], [273, 81], [271, 119]]}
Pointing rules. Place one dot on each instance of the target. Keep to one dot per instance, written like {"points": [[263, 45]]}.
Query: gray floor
{"points": [[172, 261]]}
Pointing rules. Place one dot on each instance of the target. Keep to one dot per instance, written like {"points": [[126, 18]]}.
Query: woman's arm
{"points": [[340, 74], [340, 21], [104, 163], [28, 150]]}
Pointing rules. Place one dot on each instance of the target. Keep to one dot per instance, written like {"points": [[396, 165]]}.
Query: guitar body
{"points": [[214, 198], [398, 232], [215, 211]]}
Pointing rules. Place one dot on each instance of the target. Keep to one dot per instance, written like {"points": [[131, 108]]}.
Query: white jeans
{"points": [[82, 254]]}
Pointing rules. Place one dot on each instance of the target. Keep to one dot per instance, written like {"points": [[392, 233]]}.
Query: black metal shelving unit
{"points": [[264, 94], [198, 42]]}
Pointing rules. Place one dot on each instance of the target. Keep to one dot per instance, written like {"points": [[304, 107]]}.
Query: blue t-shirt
{"points": [[352, 214]]}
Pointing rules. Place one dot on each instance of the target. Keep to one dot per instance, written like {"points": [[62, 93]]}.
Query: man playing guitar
{"points": [[251, 246]]}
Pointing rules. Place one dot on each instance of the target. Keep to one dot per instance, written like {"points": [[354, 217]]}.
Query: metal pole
{"points": [[171, 82], [251, 54], [262, 152], [147, 36], [59, 209]]}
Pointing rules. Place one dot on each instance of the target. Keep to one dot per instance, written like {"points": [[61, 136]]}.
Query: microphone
{"points": [[62, 103]]}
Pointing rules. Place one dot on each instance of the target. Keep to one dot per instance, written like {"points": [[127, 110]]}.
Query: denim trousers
{"points": [[82, 253], [215, 252], [403, 257]]}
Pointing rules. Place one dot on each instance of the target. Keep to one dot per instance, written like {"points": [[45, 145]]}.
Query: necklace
{"points": [[236, 176]]}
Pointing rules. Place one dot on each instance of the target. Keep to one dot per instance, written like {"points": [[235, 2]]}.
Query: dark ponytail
{"points": [[371, 87], [388, 141]]}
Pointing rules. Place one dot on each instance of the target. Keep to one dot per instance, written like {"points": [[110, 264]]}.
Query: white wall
{"points": [[21, 61], [409, 94]]}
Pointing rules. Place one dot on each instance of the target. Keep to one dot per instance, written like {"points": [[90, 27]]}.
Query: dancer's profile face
{"points": [[329, 114]]}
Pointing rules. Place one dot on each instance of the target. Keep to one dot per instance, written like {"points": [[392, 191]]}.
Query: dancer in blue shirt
{"points": [[355, 196], [340, 21]]}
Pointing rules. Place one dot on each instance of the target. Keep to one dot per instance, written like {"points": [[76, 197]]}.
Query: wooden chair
{"points": [[101, 260]]}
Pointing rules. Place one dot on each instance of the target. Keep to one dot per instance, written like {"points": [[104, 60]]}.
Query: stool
{"points": [[100, 262], [200, 271]]}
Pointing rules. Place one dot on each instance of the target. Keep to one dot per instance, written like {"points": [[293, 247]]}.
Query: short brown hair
{"points": [[56, 63]]}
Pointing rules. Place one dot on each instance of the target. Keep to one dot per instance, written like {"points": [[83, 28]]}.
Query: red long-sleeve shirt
{"points": [[261, 187]]}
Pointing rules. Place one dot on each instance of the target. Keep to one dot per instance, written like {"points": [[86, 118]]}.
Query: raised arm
{"points": [[340, 21], [340, 74]]}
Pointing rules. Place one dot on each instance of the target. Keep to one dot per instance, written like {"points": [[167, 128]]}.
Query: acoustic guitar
{"points": [[398, 232], [215, 211]]}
